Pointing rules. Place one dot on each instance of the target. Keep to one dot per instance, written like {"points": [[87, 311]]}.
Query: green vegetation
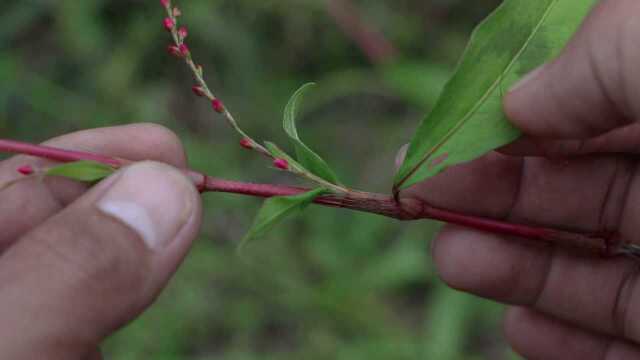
{"points": [[331, 284], [468, 120]]}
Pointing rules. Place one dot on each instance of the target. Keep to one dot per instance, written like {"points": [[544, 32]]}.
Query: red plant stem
{"points": [[56, 154], [370, 40], [603, 243]]}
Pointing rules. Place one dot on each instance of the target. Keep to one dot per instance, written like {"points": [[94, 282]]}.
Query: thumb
{"points": [[585, 91], [97, 264]]}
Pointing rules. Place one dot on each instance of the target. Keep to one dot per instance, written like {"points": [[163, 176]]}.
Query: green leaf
{"points": [[468, 121], [276, 209], [86, 171], [309, 159]]}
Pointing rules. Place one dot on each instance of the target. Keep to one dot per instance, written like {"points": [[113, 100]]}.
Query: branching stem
{"points": [[602, 243], [198, 75]]}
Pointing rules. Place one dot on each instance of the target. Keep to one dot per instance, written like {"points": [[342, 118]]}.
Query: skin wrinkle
{"points": [[547, 333], [634, 175], [613, 221], [608, 349], [70, 265], [555, 103], [622, 104], [616, 349], [628, 35], [605, 92], [619, 183], [621, 40], [623, 295], [60, 203], [551, 249], [56, 200], [65, 261], [629, 283], [602, 218], [622, 303], [518, 190], [52, 204], [551, 257]]}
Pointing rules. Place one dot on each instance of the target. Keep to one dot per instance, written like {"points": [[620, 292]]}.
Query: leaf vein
{"points": [[482, 100]]}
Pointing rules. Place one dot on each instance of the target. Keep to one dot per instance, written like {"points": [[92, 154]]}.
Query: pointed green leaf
{"points": [[276, 209], [468, 120], [309, 159], [86, 171]]}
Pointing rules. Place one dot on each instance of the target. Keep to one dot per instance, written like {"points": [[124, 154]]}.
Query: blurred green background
{"points": [[329, 285]]}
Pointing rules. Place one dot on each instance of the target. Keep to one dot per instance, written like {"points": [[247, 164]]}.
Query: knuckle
{"points": [[162, 137], [164, 144]]}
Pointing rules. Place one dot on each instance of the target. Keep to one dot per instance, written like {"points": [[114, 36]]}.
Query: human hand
{"points": [[579, 112], [76, 264]]}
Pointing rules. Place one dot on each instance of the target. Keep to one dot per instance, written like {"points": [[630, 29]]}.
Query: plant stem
{"points": [[370, 40], [208, 93], [56, 154], [603, 243], [199, 77]]}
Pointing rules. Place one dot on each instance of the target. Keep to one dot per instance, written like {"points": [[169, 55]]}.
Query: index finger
{"points": [[588, 193], [28, 203]]}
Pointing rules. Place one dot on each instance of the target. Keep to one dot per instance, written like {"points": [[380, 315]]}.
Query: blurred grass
{"points": [[329, 285]]}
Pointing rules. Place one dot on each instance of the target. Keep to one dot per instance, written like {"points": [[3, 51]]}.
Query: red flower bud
{"points": [[184, 50], [246, 143], [198, 90], [26, 170], [174, 50], [169, 24], [177, 12], [281, 164], [183, 32], [217, 105], [165, 3]]}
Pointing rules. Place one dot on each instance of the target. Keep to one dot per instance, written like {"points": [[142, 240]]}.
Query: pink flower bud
{"points": [[217, 105], [177, 12], [246, 143], [184, 50], [169, 24], [26, 170], [165, 3], [281, 164], [174, 50], [183, 32], [198, 90]]}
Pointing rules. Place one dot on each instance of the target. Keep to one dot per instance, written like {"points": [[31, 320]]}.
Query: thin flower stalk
{"points": [[202, 89], [178, 35]]}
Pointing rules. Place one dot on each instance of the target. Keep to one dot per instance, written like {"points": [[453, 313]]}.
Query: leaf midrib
{"points": [[482, 100]]}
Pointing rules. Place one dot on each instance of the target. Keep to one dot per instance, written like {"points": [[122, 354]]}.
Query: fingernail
{"points": [[527, 79], [152, 199]]}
